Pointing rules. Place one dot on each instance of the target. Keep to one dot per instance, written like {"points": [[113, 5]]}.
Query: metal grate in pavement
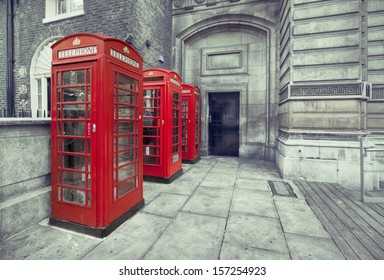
{"points": [[281, 188]]}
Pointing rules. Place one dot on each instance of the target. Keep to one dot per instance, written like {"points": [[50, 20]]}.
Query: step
{"points": [[23, 211], [16, 189]]}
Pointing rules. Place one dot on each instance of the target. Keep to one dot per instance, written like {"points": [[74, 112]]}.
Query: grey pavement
{"points": [[220, 208]]}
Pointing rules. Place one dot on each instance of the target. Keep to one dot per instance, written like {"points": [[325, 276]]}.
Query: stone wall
{"points": [[25, 174], [375, 106], [323, 89]]}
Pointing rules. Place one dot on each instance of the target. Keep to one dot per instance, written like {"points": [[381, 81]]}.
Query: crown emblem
{"points": [[76, 42], [150, 73], [126, 50]]}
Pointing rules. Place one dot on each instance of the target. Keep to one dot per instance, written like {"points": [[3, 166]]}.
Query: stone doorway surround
{"points": [[246, 63]]}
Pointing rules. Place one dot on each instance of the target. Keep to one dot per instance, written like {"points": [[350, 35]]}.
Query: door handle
{"points": [[210, 118]]}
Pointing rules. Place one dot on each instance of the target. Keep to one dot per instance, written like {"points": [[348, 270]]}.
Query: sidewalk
{"points": [[220, 208]]}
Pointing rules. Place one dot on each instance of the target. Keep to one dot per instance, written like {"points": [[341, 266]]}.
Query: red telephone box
{"points": [[96, 133], [162, 161], [191, 115]]}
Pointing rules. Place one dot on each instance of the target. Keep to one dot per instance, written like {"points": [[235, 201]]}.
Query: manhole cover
{"points": [[281, 188]]}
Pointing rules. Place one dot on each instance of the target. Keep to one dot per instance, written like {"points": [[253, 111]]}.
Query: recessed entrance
{"points": [[223, 125]]}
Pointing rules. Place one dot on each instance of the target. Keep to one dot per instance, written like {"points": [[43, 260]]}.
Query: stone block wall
{"points": [[323, 88], [25, 174], [375, 107]]}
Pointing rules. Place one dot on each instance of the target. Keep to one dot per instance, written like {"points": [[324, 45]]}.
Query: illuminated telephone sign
{"points": [[97, 174], [191, 126], [162, 160]]}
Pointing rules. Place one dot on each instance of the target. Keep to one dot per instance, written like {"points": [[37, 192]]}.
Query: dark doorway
{"points": [[224, 124]]}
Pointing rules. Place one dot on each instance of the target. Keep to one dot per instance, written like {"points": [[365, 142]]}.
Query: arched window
{"points": [[40, 79]]}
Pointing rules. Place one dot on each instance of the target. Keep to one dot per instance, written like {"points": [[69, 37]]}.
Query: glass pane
{"points": [[125, 142], [125, 112], [74, 196], [75, 179], [151, 112], [150, 131], [126, 82], [149, 160], [126, 172], [152, 141], [72, 111], [150, 122], [126, 97], [125, 127], [73, 128], [74, 94], [73, 145], [151, 151], [73, 162], [126, 157], [175, 149], [126, 187], [73, 77]]}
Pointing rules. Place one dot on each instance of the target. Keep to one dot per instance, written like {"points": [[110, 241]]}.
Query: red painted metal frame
{"points": [[105, 57], [192, 126], [170, 166]]}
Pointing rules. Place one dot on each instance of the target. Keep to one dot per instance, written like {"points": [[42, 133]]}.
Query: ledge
{"points": [[24, 121]]}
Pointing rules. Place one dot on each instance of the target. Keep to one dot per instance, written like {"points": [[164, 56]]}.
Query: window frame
{"points": [[51, 14]]}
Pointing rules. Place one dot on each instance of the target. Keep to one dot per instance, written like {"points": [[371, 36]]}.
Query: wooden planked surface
{"points": [[356, 228]]}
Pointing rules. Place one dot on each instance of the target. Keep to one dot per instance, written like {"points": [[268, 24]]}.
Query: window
{"points": [[61, 9]]}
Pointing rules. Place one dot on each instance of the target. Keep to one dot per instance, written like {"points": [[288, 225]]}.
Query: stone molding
{"points": [[378, 93], [190, 4], [328, 91]]}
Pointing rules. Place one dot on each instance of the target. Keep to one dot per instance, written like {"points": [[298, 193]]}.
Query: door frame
{"points": [[238, 94], [204, 103]]}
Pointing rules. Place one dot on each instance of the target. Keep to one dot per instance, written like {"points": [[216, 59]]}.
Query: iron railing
{"points": [[372, 151], [23, 114]]}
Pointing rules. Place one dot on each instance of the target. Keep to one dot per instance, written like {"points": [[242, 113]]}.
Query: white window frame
{"points": [[51, 14]]}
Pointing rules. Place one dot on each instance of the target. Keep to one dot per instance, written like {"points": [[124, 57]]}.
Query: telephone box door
{"points": [[197, 126], [74, 157], [126, 166]]}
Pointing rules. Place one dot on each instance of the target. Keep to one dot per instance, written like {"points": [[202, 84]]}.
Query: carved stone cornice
{"points": [[190, 4], [330, 91], [378, 92]]}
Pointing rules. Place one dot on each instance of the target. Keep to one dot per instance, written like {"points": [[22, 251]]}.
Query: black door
{"points": [[224, 124]]}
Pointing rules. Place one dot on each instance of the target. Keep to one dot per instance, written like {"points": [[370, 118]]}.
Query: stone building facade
{"points": [[309, 75]]}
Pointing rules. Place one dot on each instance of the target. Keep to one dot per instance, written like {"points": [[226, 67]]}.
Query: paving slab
{"points": [[132, 239], [144, 225], [257, 174], [194, 175], [183, 187], [312, 248], [190, 237], [152, 190], [210, 201], [254, 203], [257, 232], [219, 180], [224, 169], [252, 184], [237, 252], [166, 204], [298, 218], [43, 242]]}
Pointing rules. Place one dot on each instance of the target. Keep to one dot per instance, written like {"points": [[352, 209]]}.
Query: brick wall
{"points": [[113, 18], [3, 55]]}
